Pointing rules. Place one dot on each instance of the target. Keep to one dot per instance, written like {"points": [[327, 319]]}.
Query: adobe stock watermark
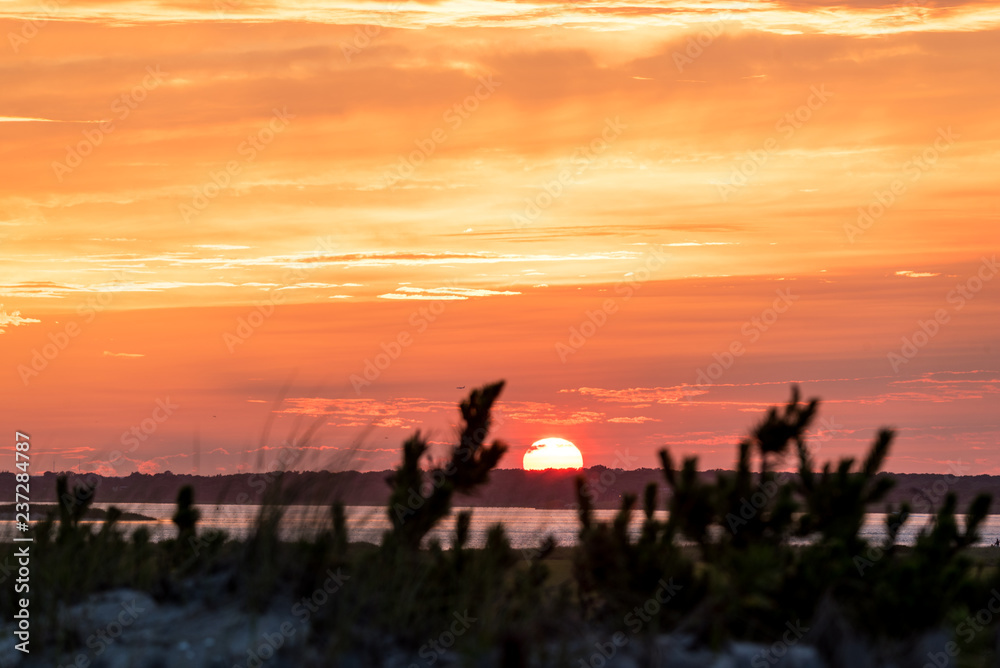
{"points": [[29, 27], [696, 44], [635, 620], [270, 642], [583, 158], [752, 330], [287, 457], [147, 427], [122, 106], [778, 649], [247, 325], [642, 615], [597, 318], [137, 434], [104, 637], [928, 329], [60, 340], [593, 489], [925, 500], [248, 150], [966, 630], [223, 6], [787, 126], [454, 117], [432, 650], [914, 168], [420, 320], [365, 35], [766, 491], [419, 495]]}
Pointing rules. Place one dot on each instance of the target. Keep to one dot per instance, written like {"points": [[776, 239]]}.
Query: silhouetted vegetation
{"points": [[738, 555], [753, 577], [414, 513]]}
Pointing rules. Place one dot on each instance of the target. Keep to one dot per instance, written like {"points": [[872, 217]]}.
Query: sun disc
{"points": [[552, 453]]}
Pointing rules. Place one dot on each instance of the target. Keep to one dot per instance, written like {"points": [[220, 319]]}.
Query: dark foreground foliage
{"points": [[741, 557]]}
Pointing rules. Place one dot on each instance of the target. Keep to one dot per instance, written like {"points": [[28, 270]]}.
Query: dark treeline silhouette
{"points": [[512, 488]]}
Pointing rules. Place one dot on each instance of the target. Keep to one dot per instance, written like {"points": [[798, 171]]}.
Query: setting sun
{"points": [[552, 453]]}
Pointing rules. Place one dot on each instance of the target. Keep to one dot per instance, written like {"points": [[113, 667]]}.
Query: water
{"points": [[526, 527]]}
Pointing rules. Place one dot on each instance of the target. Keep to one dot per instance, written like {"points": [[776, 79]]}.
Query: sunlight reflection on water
{"points": [[526, 527]]}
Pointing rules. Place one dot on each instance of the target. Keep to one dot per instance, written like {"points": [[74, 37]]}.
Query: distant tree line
{"points": [[604, 487]]}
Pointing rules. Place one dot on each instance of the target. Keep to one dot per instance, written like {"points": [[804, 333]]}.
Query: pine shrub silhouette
{"points": [[413, 595], [340, 537], [186, 516], [615, 575], [73, 505], [897, 589], [412, 512], [751, 578]]}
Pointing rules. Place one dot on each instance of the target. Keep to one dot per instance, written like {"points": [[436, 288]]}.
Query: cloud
{"points": [[535, 412], [784, 18], [406, 292], [28, 119], [633, 420], [57, 290], [402, 259], [931, 387], [364, 412], [550, 444], [13, 319], [916, 274], [313, 286], [641, 395], [111, 354], [705, 243]]}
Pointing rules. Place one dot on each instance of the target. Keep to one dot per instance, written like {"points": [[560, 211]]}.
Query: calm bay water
{"points": [[525, 526]]}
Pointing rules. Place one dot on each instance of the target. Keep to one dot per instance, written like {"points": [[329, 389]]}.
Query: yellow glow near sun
{"points": [[552, 453]]}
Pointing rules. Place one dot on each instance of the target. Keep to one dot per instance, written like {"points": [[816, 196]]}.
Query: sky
{"points": [[225, 224]]}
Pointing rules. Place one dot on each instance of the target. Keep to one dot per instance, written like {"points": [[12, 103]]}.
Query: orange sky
{"points": [[477, 183]]}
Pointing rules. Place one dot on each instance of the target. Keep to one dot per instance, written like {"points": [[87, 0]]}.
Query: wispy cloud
{"points": [[13, 319], [916, 274], [785, 18], [641, 395], [29, 119], [402, 413], [446, 293], [534, 412]]}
